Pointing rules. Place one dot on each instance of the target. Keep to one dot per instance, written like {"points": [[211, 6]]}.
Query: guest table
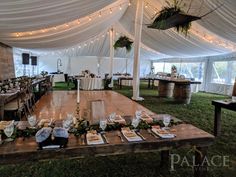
{"points": [[227, 104], [91, 83], [7, 97], [25, 149]]}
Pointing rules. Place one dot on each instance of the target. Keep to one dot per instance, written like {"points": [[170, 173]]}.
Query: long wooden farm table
{"points": [[187, 135]]}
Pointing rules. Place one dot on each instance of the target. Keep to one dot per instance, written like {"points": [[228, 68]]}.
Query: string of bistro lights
{"points": [[149, 8], [152, 11], [74, 23], [81, 46]]}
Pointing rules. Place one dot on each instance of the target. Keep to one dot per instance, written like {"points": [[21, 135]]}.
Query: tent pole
{"points": [[137, 45], [111, 32]]}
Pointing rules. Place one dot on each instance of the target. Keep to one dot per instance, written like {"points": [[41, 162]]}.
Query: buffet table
{"points": [[180, 89], [91, 83], [58, 78]]}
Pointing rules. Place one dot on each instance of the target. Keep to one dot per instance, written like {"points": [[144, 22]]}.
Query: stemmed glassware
{"points": [[32, 120], [9, 130], [103, 125], [135, 122], [138, 114], [166, 121]]}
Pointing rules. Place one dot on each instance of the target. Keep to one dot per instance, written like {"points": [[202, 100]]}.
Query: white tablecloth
{"points": [[127, 82], [58, 78], [91, 83]]}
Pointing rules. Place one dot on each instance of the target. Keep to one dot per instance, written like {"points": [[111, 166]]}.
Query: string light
{"points": [[146, 6], [75, 22]]}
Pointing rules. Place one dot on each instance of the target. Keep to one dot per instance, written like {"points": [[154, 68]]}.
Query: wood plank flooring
{"points": [[57, 104]]}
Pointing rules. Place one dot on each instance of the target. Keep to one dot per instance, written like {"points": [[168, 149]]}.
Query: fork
{"points": [[151, 133], [119, 134]]}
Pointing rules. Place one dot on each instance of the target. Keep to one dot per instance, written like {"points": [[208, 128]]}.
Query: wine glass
{"points": [[138, 114], [112, 116], [135, 122], [8, 130], [32, 120], [103, 125], [166, 121]]}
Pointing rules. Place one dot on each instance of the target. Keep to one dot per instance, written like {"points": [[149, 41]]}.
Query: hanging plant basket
{"points": [[122, 42], [173, 16]]}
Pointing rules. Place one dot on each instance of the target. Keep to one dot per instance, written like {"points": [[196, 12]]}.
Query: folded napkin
{"points": [[130, 135], [94, 138], [162, 133]]}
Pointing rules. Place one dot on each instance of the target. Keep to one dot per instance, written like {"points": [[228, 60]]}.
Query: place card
{"points": [[130, 135]]}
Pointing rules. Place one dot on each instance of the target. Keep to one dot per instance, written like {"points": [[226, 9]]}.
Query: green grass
{"points": [[199, 113], [63, 86]]}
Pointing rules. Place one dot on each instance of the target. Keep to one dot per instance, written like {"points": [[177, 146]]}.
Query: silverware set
{"points": [[121, 138]]}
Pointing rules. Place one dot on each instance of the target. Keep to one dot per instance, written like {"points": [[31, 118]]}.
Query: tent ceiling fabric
{"points": [[34, 20], [28, 15]]}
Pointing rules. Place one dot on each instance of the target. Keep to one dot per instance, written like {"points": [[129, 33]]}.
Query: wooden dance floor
{"points": [[57, 104]]}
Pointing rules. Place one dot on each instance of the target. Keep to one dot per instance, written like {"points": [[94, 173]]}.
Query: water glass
{"points": [[103, 124], [32, 120], [9, 130], [138, 114], [135, 122], [166, 121]]}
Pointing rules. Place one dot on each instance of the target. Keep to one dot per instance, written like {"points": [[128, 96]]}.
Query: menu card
{"points": [[162, 132], [94, 138], [130, 135]]}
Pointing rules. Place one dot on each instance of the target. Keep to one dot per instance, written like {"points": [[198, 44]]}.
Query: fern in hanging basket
{"points": [[123, 41], [173, 16]]}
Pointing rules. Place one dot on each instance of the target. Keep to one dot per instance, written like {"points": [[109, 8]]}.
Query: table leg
{"points": [[149, 83], [217, 122], [152, 83], [165, 160], [200, 168], [1, 110]]}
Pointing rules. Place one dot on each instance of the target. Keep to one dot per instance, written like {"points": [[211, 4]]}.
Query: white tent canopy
{"points": [[62, 24], [79, 30]]}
